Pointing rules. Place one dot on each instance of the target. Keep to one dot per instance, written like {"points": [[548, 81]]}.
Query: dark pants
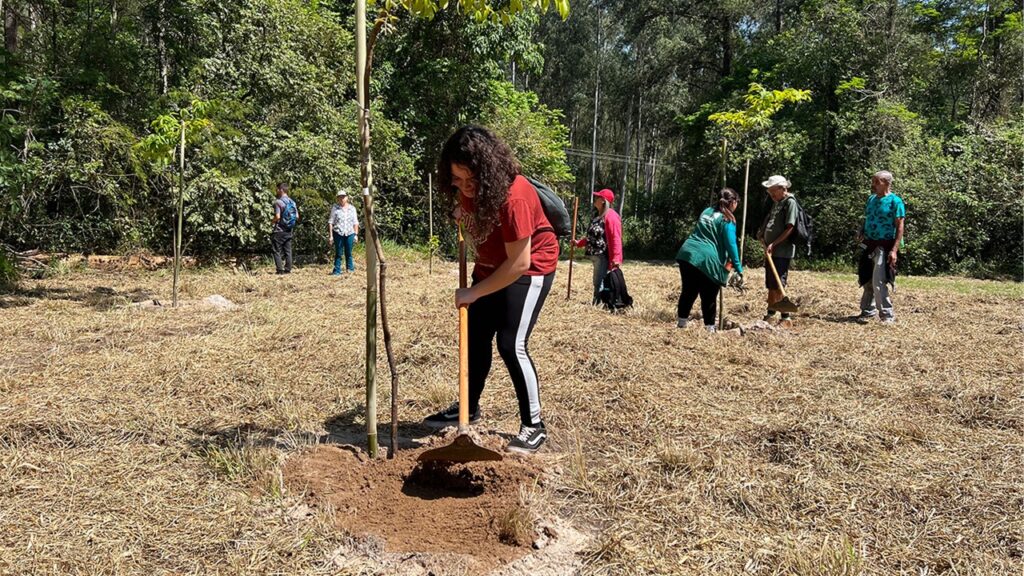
{"points": [[696, 283], [509, 314], [281, 245], [782, 267], [343, 244]]}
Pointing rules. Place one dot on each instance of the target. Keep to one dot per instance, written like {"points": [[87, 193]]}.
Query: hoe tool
{"points": [[785, 305], [463, 448]]}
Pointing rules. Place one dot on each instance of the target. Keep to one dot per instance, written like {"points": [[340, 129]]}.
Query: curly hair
{"points": [[493, 164]]}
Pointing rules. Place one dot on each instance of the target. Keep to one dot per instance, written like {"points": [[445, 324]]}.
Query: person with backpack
{"points": [[286, 216], [881, 236], [516, 257], [706, 257], [343, 231], [777, 235], [603, 242]]}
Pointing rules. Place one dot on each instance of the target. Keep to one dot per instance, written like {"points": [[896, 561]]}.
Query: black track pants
{"points": [[696, 283], [509, 314]]}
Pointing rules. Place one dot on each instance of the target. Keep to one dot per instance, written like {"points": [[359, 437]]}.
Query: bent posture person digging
{"points": [[706, 259], [516, 257]]}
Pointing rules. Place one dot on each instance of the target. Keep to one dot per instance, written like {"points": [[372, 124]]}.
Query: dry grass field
{"points": [[154, 441]]}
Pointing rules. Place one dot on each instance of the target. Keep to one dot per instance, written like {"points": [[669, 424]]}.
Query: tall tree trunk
{"points": [[625, 171], [778, 16], [639, 152], [161, 45], [10, 27], [726, 23], [597, 98]]}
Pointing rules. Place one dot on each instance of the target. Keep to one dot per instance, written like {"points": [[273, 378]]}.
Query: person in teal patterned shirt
{"points": [[881, 237]]}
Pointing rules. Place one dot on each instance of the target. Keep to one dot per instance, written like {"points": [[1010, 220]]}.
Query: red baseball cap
{"points": [[606, 194]]}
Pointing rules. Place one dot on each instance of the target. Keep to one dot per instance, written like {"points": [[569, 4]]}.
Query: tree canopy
{"points": [[824, 92]]}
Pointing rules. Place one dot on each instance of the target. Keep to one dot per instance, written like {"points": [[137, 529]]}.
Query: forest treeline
{"points": [[930, 90]]}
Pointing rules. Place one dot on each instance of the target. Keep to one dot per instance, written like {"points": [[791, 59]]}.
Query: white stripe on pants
{"points": [[525, 319]]}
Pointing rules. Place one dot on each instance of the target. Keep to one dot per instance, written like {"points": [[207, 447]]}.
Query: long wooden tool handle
{"points": [[778, 281], [572, 245], [463, 342]]}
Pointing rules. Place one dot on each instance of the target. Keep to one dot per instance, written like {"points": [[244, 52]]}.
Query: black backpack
{"points": [[554, 208], [615, 296], [803, 231]]}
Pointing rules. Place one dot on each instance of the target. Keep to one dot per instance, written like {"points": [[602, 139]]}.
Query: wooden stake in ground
{"points": [[181, 211], [721, 293], [430, 202], [374, 248], [371, 272], [743, 225], [572, 244]]}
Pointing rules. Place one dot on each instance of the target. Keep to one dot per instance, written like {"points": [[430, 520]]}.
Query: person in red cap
{"points": [[604, 239]]}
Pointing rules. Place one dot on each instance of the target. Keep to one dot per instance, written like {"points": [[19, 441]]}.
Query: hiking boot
{"points": [[449, 417], [769, 316], [710, 328], [682, 322], [529, 440], [888, 321], [865, 318]]}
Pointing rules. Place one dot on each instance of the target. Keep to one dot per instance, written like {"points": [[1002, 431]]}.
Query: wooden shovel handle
{"points": [[572, 245], [463, 342], [778, 281]]}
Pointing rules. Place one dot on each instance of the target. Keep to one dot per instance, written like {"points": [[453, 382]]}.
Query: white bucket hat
{"points": [[776, 181], [342, 193]]}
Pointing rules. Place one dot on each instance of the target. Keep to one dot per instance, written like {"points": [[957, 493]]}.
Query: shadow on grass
{"points": [[345, 429], [100, 298]]}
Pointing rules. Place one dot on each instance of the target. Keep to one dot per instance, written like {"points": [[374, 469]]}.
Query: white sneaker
{"points": [[682, 322], [710, 329]]}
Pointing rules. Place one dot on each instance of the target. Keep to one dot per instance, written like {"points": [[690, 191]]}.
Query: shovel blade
{"points": [[462, 449], [785, 305]]}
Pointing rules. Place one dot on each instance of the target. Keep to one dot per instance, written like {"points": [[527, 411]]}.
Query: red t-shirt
{"points": [[521, 216]]}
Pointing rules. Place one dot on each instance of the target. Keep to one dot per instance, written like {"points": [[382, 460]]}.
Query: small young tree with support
{"points": [[172, 133], [747, 128]]}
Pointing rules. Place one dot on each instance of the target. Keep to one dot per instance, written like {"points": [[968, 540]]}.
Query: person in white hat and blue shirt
{"points": [[343, 231], [776, 233]]}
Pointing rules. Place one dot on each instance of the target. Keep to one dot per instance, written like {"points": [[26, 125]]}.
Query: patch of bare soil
{"points": [[473, 511]]}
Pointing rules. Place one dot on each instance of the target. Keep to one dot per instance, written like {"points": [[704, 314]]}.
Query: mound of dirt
{"points": [[422, 508]]}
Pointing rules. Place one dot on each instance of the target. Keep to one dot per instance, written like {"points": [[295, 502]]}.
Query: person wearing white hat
{"points": [[343, 230], [775, 233]]}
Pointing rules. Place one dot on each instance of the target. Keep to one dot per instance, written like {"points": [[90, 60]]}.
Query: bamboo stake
{"points": [[371, 264], [181, 211], [572, 244], [743, 229], [721, 292]]}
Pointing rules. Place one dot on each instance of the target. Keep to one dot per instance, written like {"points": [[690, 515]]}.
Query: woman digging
{"points": [[516, 256], [704, 259]]}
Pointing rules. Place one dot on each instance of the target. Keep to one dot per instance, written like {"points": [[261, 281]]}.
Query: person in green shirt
{"points": [[775, 233], [706, 258]]}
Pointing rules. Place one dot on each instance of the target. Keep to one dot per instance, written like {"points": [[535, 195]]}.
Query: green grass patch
{"points": [[1008, 288]]}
